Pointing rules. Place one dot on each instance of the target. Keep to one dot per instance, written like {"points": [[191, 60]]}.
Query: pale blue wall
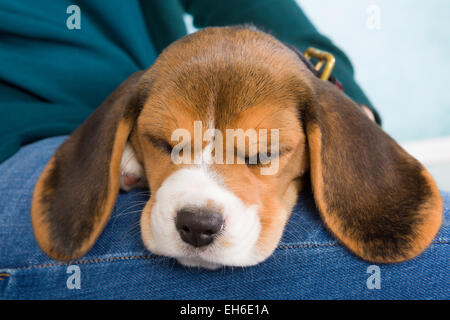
{"points": [[404, 67]]}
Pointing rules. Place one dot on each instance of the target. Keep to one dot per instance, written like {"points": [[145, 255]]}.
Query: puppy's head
{"points": [[226, 123]]}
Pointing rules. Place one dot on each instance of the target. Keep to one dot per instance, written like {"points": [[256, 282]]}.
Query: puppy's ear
{"points": [[377, 199], [75, 194]]}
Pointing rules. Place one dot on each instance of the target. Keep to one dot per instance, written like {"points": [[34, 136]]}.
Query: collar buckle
{"points": [[324, 58]]}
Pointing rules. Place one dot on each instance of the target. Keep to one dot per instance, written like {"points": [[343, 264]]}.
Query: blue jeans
{"points": [[308, 264]]}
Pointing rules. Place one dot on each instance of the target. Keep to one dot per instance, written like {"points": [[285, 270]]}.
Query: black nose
{"points": [[198, 227]]}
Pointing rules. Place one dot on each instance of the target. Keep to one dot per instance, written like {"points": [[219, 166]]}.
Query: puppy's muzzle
{"points": [[198, 226]]}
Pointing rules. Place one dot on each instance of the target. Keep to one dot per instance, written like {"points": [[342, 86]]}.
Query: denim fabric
{"points": [[308, 264]]}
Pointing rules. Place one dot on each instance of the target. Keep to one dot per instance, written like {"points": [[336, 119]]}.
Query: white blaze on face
{"points": [[199, 186]]}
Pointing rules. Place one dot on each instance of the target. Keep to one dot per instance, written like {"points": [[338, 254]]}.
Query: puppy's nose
{"points": [[198, 227]]}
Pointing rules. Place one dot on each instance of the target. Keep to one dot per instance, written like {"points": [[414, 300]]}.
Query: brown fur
{"points": [[378, 200]]}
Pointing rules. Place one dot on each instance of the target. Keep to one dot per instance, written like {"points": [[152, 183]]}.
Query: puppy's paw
{"points": [[131, 171]]}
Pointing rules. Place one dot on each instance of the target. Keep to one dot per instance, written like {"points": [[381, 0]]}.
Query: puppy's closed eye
{"points": [[160, 143], [263, 157], [255, 160]]}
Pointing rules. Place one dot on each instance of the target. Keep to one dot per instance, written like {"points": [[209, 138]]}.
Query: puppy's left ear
{"points": [[75, 193], [377, 199]]}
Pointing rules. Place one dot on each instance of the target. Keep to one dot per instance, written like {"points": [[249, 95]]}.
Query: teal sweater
{"points": [[52, 78]]}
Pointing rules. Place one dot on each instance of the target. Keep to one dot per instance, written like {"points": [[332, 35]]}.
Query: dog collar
{"points": [[324, 68], [326, 61]]}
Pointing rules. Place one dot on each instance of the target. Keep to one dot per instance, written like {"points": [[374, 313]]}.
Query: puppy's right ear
{"points": [[75, 194]]}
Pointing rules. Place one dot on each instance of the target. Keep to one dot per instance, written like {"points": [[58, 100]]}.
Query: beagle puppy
{"points": [[374, 197]]}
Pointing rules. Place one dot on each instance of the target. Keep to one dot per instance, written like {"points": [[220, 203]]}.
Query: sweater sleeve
{"points": [[286, 21]]}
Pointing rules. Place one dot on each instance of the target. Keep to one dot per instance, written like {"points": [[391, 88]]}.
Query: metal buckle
{"points": [[323, 57]]}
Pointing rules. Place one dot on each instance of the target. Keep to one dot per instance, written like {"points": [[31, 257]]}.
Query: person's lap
{"points": [[308, 263]]}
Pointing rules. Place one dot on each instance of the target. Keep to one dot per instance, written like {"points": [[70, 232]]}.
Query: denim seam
{"points": [[313, 245], [142, 257], [87, 261], [138, 257]]}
